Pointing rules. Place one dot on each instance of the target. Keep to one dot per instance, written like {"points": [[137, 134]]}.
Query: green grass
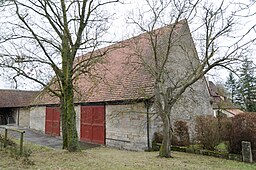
{"points": [[108, 158], [222, 147]]}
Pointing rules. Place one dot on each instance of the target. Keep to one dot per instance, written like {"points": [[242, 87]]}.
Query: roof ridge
{"points": [[122, 42]]}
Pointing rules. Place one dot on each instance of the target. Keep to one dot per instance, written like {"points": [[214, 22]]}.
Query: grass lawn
{"points": [[109, 158]]}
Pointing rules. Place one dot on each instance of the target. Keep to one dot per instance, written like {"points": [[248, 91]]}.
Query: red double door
{"points": [[92, 124], [52, 121]]}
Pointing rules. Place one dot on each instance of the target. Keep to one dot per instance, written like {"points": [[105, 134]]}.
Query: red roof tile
{"points": [[119, 75]]}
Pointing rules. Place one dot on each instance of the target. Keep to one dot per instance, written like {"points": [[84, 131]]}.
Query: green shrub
{"points": [[178, 148], [222, 147], [155, 146]]}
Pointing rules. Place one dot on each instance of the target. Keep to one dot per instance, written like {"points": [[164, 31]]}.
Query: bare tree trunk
{"points": [[64, 126], [70, 137], [163, 110], [165, 150]]}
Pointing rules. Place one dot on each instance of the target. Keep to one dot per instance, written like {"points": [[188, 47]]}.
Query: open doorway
{"points": [[6, 116]]}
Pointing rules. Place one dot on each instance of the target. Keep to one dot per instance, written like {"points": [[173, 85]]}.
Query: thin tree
{"points": [[40, 40], [231, 85], [169, 46]]}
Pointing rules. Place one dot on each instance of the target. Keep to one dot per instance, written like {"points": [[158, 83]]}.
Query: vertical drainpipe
{"points": [[147, 107]]}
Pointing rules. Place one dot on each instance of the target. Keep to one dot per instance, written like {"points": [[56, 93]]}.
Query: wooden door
{"points": [[52, 121], [93, 124]]}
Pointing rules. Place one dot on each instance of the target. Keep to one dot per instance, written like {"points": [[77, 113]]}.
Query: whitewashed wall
{"points": [[37, 118], [24, 117]]}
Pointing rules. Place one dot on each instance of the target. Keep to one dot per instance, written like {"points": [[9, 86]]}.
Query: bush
{"points": [[243, 129], [224, 128], [180, 134], [207, 132], [157, 139], [210, 131]]}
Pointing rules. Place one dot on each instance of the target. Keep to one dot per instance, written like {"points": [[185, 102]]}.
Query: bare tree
{"points": [[171, 57], [40, 40]]}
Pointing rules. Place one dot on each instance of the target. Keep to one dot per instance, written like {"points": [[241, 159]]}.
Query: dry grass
{"points": [[108, 158]]}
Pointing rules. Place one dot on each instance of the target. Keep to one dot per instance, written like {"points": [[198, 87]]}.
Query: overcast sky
{"points": [[119, 30]]}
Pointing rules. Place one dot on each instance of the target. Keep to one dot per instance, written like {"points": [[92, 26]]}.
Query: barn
{"points": [[15, 106], [114, 104]]}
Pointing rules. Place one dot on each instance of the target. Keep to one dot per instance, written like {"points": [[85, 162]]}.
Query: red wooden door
{"points": [[52, 121], [92, 124]]}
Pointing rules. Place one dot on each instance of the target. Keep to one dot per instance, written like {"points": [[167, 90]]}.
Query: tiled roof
{"points": [[16, 98], [119, 75], [219, 101]]}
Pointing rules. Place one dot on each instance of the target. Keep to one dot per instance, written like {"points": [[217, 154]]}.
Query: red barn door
{"points": [[92, 124], [52, 121]]}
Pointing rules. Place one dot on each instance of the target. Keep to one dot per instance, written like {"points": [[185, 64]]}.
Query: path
{"points": [[35, 137], [39, 138]]}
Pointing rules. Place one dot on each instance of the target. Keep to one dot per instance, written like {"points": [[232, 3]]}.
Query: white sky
{"points": [[3, 84], [120, 30]]}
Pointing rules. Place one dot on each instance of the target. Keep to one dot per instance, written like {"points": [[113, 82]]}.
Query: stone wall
{"points": [[37, 118], [183, 61], [126, 126], [78, 116], [195, 101], [24, 117]]}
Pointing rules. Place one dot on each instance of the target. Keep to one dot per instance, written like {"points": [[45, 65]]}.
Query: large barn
{"points": [[115, 107]]}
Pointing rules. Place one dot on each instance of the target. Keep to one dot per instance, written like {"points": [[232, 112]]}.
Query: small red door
{"points": [[93, 124], [52, 121]]}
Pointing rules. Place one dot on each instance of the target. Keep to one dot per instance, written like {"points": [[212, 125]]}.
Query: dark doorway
{"points": [[6, 116]]}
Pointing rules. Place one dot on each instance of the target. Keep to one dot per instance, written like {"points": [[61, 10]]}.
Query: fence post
{"points": [[5, 136], [21, 142]]}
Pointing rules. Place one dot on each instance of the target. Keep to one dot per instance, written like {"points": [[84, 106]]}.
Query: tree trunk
{"points": [[73, 144], [64, 125], [70, 137], [163, 111], [165, 150]]}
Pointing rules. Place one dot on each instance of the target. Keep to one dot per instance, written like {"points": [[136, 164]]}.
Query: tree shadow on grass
{"points": [[85, 145]]}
